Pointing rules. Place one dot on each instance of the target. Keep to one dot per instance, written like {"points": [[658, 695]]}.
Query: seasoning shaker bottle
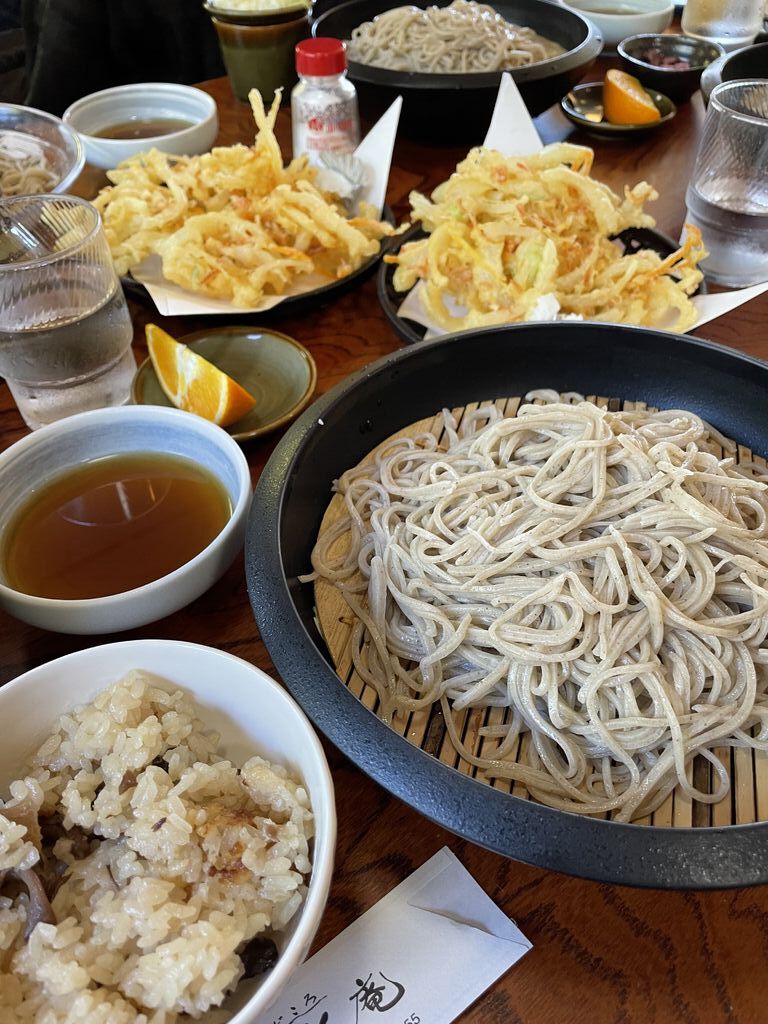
{"points": [[324, 112], [732, 23]]}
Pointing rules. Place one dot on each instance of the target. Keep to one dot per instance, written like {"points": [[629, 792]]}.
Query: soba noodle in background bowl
{"points": [[456, 106], [38, 152], [623, 364]]}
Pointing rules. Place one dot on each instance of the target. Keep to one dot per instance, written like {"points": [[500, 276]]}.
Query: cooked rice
{"points": [[190, 858]]}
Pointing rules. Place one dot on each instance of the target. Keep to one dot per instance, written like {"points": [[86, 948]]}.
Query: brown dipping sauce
{"points": [[113, 524], [142, 128]]}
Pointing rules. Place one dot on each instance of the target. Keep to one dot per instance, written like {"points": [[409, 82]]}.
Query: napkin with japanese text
{"points": [[421, 955]]}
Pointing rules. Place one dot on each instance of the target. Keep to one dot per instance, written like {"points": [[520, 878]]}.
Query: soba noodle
{"points": [[602, 575], [462, 37], [23, 172]]}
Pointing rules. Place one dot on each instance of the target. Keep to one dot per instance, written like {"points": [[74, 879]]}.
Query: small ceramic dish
{"points": [[618, 19], [144, 101], [583, 105], [638, 52], [29, 464], [278, 371]]}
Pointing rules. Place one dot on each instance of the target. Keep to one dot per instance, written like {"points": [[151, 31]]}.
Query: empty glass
{"points": [[65, 330], [727, 197]]}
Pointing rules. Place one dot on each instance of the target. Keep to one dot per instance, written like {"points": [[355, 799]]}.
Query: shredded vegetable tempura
{"points": [[506, 232], [234, 223]]}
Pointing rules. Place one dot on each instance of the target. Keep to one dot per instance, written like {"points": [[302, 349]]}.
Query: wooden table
{"points": [[602, 954]]}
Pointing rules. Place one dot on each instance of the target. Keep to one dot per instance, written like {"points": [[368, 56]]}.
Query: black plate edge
{"points": [[658, 858], [412, 333]]}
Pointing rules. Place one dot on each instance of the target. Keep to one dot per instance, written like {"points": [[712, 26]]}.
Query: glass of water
{"points": [[65, 330], [727, 197]]}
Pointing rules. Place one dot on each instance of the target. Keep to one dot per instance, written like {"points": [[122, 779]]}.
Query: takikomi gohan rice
{"points": [[141, 875]]}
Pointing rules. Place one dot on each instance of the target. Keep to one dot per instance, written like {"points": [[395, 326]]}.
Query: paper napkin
{"points": [[375, 151], [513, 133], [421, 955]]}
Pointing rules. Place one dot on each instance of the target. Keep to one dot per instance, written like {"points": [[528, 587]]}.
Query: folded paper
{"points": [[421, 955]]}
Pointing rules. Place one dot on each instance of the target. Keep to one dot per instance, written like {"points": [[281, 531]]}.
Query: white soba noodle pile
{"points": [[603, 575], [463, 37]]}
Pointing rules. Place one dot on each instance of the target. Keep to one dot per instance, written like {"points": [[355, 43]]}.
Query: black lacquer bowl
{"points": [[728, 389], [457, 107]]}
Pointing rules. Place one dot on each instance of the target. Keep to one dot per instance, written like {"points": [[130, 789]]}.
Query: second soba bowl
{"points": [[457, 106], [622, 363], [82, 552]]}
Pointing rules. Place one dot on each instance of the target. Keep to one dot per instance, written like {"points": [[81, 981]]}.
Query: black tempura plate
{"points": [[727, 388], [293, 304], [633, 240]]}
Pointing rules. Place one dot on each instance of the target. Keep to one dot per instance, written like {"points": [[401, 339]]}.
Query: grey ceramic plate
{"points": [[584, 106], [278, 371]]}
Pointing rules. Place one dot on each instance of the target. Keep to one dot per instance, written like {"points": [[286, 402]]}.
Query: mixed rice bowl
{"points": [[142, 876]]}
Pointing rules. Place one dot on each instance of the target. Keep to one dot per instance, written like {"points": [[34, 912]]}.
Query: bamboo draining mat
{"points": [[748, 769]]}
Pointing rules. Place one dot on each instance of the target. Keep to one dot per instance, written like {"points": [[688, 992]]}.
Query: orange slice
{"points": [[625, 101], [194, 384]]}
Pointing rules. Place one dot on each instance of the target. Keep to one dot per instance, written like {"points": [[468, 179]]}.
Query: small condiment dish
{"points": [[638, 53], [251, 713], [278, 371], [618, 19], [584, 107], [141, 102], [32, 463]]}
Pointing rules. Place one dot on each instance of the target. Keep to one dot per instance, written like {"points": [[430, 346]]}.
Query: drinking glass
{"points": [[65, 330], [731, 23], [727, 197]]}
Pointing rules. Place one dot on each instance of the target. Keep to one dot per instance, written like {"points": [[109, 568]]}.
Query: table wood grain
{"points": [[601, 954]]}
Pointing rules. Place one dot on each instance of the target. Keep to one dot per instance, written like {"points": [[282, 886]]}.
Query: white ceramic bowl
{"points": [[253, 715], [640, 16], [40, 133], [36, 458], [144, 100]]}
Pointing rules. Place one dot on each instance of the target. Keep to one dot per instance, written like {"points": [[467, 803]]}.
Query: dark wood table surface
{"points": [[601, 954]]}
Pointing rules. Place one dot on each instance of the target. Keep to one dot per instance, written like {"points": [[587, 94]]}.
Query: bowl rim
{"points": [[74, 172], [163, 88], [615, 20], [578, 56], [92, 418], [325, 844], [667, 40]]}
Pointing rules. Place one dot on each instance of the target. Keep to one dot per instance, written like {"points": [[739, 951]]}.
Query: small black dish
{"points": [[677, 83], [584, 107], [633, 240], [749, 62], [457, 108]]}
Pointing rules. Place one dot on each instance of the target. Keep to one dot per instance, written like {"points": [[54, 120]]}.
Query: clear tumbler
{"points": [[727, 197], [65, 330], [731, 23]]}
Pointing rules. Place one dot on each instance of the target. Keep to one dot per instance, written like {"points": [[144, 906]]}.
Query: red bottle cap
{"points": [[321, 56]]}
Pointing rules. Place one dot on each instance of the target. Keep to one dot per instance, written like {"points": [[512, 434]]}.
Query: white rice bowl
{"points": [[165, 937]]}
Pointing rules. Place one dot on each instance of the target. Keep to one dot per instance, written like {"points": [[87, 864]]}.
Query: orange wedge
{"points": [[625, 101], [194, 384]]}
